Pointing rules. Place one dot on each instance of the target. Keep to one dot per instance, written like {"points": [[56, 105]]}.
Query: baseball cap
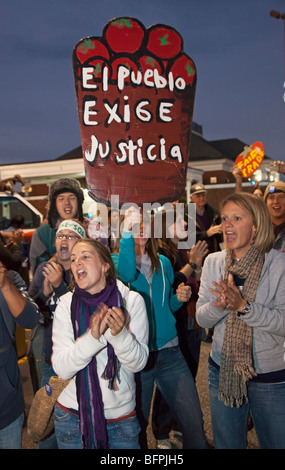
{"points": [[276, 187], [197, 189]]}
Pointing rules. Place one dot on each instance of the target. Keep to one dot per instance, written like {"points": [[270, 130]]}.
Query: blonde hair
{"points": [[264, 239]]}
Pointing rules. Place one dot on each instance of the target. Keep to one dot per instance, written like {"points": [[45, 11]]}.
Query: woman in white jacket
{"points": [[100, 337]]}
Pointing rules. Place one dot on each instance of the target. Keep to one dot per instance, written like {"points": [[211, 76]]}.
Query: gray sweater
{"points": [[267, 317]]}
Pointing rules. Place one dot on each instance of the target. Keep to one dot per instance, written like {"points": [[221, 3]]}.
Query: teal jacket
{"points": [[158, 295], [42, 245]]}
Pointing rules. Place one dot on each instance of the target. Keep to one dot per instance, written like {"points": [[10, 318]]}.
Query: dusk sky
{"points": [[238, 49]]}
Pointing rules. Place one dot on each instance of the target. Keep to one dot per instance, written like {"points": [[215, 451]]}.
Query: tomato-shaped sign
{"points": [[90, 47], [124, 35], [250, 159], [164, 42], [135, 90]]}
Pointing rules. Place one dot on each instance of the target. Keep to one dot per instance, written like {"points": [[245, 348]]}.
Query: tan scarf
{"points": [[236, 358]]}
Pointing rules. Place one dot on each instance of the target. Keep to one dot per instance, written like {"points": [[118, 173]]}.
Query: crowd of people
{"points": [[122, 315]]}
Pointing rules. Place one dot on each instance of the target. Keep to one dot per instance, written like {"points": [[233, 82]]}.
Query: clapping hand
{"points": [[214, 230], [198, 253], [228, 295], [98, 324], [53, 272], [115, 319], [104, 318]]}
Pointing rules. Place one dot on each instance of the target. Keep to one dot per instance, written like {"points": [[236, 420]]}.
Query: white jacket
{"points": [[131, 348]]}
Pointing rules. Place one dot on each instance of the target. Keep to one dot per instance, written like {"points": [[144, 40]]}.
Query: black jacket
{"points": [[214, 219]]}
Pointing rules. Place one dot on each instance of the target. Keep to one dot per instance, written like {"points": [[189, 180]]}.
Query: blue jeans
{"points": [[123, 434], [11, 435], [267, 407], [168, 369]]}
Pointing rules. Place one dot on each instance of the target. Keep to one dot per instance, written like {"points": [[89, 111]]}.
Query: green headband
{"points": [[72, 225]]}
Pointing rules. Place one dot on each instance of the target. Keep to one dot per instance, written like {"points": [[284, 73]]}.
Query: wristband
{"points": [[193, 265]]}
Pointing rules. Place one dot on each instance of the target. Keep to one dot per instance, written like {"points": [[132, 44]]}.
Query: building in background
{"points": [[210, 162]]}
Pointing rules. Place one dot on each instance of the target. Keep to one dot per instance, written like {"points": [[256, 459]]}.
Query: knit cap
{"points": [[64, 185], [276, 187]]}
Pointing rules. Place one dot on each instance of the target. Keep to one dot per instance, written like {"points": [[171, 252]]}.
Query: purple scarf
{"points": [[89, 395]]}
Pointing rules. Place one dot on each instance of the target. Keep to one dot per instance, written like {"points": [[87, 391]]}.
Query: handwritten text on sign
{"points": [[120, 112], [135, 96], [250, 159]]}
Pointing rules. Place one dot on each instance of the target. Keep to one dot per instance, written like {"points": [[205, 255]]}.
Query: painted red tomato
{"points": [[124, 35], [185, 68], [98, 65], [91, 47], [126, 62], [149, 62], [164, 42]]}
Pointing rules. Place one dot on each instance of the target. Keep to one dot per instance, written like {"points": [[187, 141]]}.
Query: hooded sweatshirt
{"points": [[157, 292]]}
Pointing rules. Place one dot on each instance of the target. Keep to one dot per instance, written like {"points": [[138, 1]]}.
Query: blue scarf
{"points": [[89, 395]]}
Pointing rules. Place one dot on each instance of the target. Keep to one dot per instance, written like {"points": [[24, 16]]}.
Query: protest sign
{"points": [[135, 90], [250, 159]]}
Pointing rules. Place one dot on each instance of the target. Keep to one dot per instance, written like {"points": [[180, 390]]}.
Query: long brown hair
{"points": [[151, 246], [165, 244], [104, 255]]}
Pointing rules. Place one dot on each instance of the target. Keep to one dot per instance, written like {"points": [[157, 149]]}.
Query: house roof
{"points": [[201, 149], [75, 153], [230, 148]]}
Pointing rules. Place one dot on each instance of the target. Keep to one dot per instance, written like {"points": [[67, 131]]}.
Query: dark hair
{"points": [[165, 244], [151, 246], [64, 185]]}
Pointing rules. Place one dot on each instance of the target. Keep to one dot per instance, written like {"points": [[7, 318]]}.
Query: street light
{"points": [[277, 15]]}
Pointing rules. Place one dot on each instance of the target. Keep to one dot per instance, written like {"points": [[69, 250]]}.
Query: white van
{"points": [[14, 204]]}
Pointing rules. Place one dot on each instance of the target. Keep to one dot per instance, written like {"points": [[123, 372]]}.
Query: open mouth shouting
{"points": [[87, 268], [237, 227], [230, 237], [64, 248], [80, 274]]}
